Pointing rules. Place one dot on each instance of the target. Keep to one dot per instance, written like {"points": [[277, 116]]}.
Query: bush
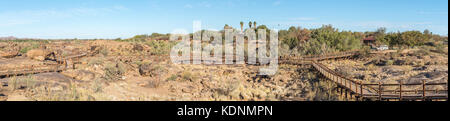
{"points": [[159, 47], [151, 70], [95, 61], [325, 40], [104, 51], [28, 48], [153, 83], [97, 85], [364, 52], [172, 78], [22, 82], [389, 62], [188, 76], [114, 71]]}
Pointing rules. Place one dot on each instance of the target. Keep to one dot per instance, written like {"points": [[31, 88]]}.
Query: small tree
{"points": [[380, 36], [226, 26], [242, 26], [413, 38]]}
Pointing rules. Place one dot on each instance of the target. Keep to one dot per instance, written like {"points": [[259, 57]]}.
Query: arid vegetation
{"points": [[135, 68]]}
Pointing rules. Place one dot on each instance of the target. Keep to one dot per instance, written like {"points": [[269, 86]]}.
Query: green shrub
{"points": [[96, 61], [104, 51], [28, 48], [364, 52], [389, 62], [188, 76], [159, 47], [97, 85], [172, 78]]}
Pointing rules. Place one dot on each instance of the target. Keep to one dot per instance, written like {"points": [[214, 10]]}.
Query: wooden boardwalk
{"points": [[350, 88], [63, 63], [24, 70]]}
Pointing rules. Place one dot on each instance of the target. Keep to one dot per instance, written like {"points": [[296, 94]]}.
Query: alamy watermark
{"points": [[209, 47]]}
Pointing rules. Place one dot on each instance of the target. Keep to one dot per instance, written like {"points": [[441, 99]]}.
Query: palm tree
{"points": [[242, 26], [250, 24], [254, 24]]}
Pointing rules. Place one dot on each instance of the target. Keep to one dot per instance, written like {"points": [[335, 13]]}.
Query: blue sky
{"points": [[125, 18]]}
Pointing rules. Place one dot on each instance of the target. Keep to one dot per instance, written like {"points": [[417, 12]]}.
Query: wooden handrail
{"points": [[353, 85], [410, 84]]}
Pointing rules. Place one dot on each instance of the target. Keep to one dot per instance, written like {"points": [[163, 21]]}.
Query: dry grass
{"points": [[188, 76], [114, 71], [22, 82]]}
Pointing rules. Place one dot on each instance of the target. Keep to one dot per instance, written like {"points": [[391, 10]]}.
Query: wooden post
{"points": [[423, 87], [356, 87], [346, 93], [345, 83], [401, 97], [379, 91], [15, 71], [446, 83], [362, 94], [73, 63], [350, 82], [337, 80]]}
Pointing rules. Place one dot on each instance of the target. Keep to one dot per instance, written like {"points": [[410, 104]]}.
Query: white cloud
{"points": [[188, 6], [12, 22], [12, 18], [276, 3], [120, 8], [432, 13], [304, 19], [205, 4]]}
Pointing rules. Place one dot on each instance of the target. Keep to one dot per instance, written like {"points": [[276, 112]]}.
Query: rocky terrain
{"points": [[134, 71], [128, 71], [406, 66]]}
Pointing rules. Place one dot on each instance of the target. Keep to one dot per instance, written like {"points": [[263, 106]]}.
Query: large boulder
{"points": [[144, 69], [83, 75], [138, 47], [148, 70], [37, 54], [394, 71], [8, 54]]}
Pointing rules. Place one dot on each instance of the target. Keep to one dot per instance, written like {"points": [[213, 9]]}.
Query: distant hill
{"points": [[8, 38], [15, 38]]}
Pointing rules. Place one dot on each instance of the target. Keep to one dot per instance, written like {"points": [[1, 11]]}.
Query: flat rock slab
{"points": [[20, 62], [45, 78], [17, 97]]}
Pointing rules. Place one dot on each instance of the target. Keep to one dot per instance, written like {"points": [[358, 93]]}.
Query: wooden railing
{"points": [[321, 56], [355, 87], [31, 69], [60, 65], [402, 93], [377, 91], [368, 91]]}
